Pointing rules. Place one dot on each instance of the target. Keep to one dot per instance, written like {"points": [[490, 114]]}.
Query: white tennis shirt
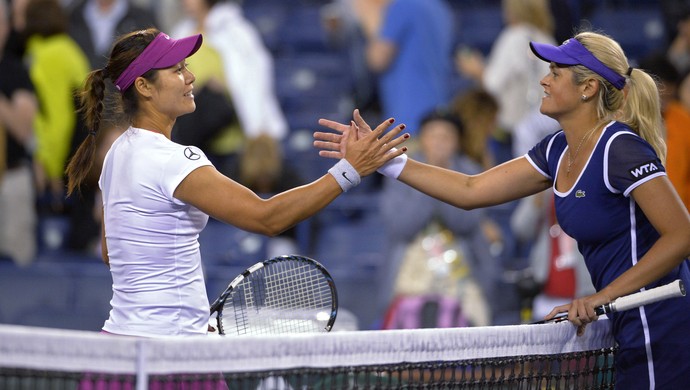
{"points": [[152, 238]]}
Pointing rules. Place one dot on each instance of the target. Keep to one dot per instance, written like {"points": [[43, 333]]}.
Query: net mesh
{"points": [[281, 297], [548, 356]]}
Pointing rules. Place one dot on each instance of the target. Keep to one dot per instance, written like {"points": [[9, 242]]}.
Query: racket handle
{"points": [[215, 306], [670, 290]]}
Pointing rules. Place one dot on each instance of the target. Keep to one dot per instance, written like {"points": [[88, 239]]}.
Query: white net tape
{"points": [[78, 351]]}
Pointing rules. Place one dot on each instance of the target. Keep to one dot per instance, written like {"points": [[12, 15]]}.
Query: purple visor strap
{"points": [[162, 52], [572, 52]]}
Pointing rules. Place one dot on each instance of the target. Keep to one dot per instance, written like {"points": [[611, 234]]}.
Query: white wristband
{"points": [[345, 174], [394, 167]]}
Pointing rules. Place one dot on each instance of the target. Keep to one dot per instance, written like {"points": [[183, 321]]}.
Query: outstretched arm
{"points": [[509, 181], [228, 201]]}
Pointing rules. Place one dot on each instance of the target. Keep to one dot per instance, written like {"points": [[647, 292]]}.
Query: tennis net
{"points": [[546, 356]]}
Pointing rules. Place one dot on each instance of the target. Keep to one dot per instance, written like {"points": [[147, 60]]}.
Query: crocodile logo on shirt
{"points": [[191, 154], [580, 194]]}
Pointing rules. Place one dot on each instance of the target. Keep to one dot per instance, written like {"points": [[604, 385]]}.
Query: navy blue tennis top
{"points": [[612, 234], [598, 211]]}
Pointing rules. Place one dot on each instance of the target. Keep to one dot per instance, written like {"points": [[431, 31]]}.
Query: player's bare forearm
{"points": [[233, 203], [506, 182]]}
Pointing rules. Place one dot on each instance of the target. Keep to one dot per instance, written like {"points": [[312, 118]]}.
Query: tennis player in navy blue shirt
{"points": [[605, 167]]}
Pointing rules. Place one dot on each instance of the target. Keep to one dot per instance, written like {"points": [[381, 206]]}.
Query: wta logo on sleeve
{"points": [[644, 169]]}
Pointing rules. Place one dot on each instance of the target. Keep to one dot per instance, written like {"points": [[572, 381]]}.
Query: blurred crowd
{"points": [[468, 109]]}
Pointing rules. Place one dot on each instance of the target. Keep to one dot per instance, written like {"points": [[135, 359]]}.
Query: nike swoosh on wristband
{"points": [[346, 178]]}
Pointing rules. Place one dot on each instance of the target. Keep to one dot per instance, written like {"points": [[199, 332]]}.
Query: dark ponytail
{"points": [[93, 97], [91, 108]]}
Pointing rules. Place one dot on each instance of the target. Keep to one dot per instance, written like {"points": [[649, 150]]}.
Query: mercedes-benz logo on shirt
{"points": [[191, 154]]}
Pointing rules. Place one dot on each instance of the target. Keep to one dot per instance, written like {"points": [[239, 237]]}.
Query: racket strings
{"points": [[282, 297], [303, 286]]}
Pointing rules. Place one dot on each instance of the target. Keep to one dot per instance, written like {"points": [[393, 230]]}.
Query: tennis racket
{"points": [[632, 301], [286, 294]]}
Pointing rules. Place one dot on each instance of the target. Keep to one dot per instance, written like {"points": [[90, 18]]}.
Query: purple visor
{"points": [[572, 52], [162, 52]]}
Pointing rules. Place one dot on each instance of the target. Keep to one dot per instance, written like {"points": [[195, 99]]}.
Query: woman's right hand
{"points": [[365, 149], [331, 144]]}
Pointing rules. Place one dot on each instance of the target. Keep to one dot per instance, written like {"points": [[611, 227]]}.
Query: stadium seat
{"points": [[639, 30], [35, 289], [349, 233], [304, 158], [52, 233], [478, 26], [223, 244], [313, 86], [269, 20], [352, 251], [304, 32], [93, 293], [312, 74]]}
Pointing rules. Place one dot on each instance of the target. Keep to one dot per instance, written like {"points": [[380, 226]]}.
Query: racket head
{"points": [[283, 295]]}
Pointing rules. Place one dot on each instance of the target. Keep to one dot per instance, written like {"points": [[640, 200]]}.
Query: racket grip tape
{"points": [[671, 290]]}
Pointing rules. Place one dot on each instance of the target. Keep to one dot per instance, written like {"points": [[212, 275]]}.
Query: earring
{"points": [[584, 98]]}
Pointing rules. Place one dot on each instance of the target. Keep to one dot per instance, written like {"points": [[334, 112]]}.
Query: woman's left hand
{"points": [[581, 310]]}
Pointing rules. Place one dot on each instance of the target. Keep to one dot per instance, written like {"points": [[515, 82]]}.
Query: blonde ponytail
{"points": [[642, 111], [638, 105]]}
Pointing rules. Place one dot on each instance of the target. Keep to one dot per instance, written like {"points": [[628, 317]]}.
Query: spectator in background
{"points": [[94, 24], [677, 14], [556, 265], [679, 50], [660, 66], [16, 42], [478, 112], [534, 126], [677, 119], [3, 152], [409, 47], [234, 79], [407, 213], [675, 106], [18, 108], [673, 11], [57, 67], [262, 168], [511, 73], [343, 30]]}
